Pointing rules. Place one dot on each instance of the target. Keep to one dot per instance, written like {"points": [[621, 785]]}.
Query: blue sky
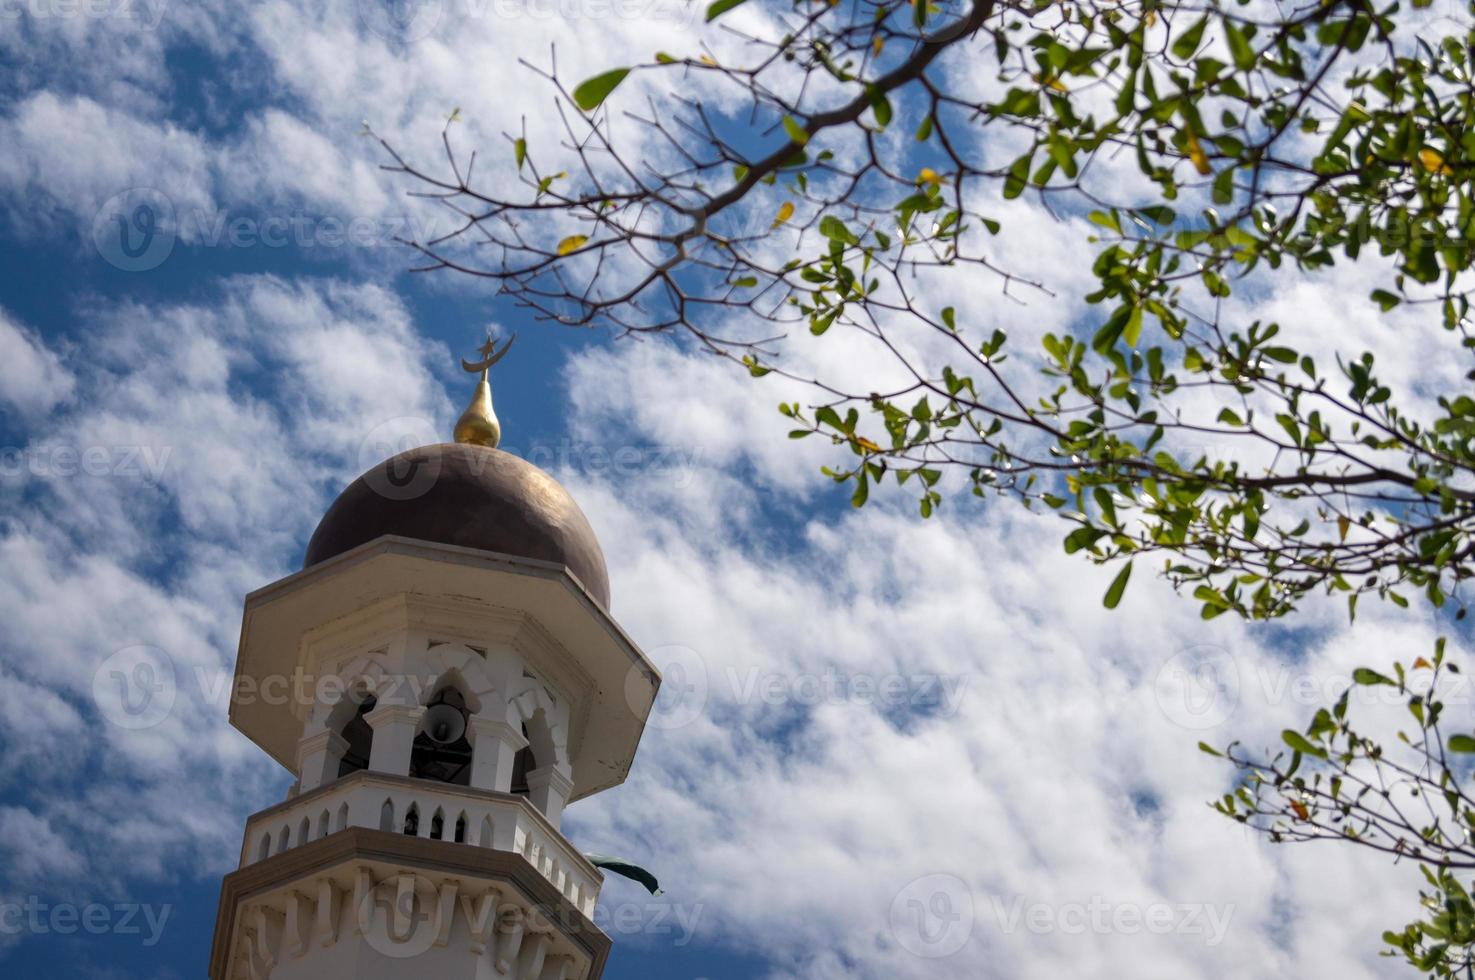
{"points": [[1036, 752]]}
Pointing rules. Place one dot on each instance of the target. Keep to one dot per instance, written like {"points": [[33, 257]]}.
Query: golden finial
{"points": [[478, 425]]}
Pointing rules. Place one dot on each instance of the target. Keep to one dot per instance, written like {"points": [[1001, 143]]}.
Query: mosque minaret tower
{"points": [[447, 679]]}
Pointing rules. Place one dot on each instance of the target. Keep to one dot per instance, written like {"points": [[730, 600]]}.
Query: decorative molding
{"points": [[499, 729], [356, 850], [553, 778]]}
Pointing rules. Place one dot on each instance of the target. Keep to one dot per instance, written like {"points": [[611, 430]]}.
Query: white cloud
{"points": [[33, 379], [1060, 780], [205, 453], [1057, 778]]}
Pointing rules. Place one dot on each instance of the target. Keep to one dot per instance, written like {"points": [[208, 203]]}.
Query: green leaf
{"points": [[520, 151], [592, 92], [1301, 744], [721, 7], [881, 106], [796, 132], [1461, 743], [1018, 177], [1133, 330], [834, 229], [1385, 300], [1118, 586], [1239, 46], [1369, 678], [1188, 41]]}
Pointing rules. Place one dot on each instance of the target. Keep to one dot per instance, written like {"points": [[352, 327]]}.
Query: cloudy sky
{"points": [[888, 748]]}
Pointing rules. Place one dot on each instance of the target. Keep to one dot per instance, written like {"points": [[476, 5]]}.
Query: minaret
{"points": [[442, 678]]}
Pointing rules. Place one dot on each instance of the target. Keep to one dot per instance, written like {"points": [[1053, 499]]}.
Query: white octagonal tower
{"points": [[442, 677]]}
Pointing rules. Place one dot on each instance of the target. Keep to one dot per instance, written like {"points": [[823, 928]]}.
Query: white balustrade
{"points": [[473, 817]]}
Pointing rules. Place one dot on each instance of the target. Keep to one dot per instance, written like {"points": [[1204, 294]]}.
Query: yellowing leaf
{"points": [[1342, 525], [1051, 82], [1421, 662], [867, 444], [1300, 809], [706, 59], [1434, 162], [877, 43], [1198, 156], [571, 243], [785, 212], [929, 176]]}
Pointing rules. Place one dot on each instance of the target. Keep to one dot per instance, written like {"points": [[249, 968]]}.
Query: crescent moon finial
{"points": [[478, 425], [489, 354]]}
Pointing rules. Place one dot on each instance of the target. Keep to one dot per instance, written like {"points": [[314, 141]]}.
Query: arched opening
{"points": [[323, 824], [342, 822], [304, 831], [412, 821], [360, 738], [386, 815], [263, 850], [522, 764], [438, 825], [461, 828], [442, 750], [486, 832], [284, 839]]}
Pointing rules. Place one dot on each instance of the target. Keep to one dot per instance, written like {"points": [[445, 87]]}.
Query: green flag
{"points": [[622, 867]]}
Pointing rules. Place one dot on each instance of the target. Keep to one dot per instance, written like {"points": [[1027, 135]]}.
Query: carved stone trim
{"points": [[355, 845]]}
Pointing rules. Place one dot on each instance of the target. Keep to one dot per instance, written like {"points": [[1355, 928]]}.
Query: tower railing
{"points": [[431, 810]]}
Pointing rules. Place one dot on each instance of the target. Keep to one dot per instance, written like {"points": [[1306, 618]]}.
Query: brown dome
{"points": [[466, 495]]}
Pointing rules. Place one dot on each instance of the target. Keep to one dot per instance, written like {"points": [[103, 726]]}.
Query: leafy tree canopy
{"points": [[833, 160]]}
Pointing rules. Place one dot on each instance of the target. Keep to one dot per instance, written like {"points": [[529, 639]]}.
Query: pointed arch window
{"points": [[442, 750], [360, 738]]}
